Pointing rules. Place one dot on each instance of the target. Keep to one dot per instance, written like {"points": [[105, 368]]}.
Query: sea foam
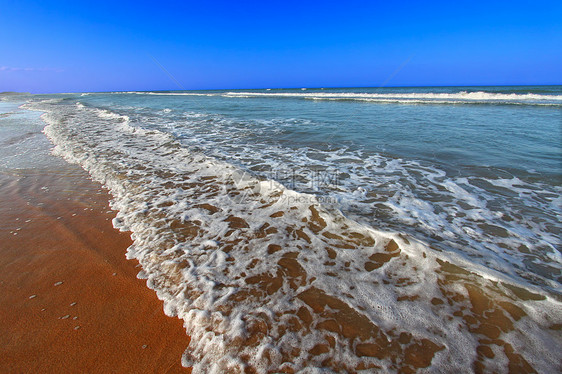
{"points": [[269, 279]]}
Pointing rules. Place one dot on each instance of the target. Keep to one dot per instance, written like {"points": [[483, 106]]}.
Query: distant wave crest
{"points": [[462, 97]]}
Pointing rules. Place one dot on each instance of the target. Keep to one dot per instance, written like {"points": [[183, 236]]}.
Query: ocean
{"points": [[337, 230]]}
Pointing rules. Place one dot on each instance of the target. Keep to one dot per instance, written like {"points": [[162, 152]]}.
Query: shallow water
{"points": [[342, 229]]}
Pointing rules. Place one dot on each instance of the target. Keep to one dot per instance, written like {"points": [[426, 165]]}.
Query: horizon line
{"points": [[288, 88]]}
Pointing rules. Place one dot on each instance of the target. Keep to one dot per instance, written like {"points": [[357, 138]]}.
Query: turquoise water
{"points": [[221, 188], [482, 165], [520, 134]]}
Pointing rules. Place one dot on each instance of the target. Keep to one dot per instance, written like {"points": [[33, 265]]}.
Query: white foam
{"points": [[416, 98], [158, 184], [458, 212], [463, 97], [163, 93]]}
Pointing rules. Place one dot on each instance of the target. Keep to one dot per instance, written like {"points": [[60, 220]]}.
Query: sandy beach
{"points": [[69, 300], [362, 261]]}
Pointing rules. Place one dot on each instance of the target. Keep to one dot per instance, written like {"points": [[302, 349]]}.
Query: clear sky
{"points": [[79, 46]]}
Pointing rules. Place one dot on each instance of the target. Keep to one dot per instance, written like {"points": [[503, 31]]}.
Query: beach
{"points": [[69, 299], [345, 230], [231, 187]]}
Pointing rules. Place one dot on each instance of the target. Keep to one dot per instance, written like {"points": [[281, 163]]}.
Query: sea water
{"points": [[330, 230]]}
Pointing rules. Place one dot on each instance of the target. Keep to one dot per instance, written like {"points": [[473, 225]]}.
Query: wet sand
{"points": [[69, 300]]}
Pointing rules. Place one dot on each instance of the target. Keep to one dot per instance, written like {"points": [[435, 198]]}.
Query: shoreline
{"points": [[70, 299], [269, 285]]}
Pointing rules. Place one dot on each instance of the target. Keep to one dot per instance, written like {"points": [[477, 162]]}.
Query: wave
{"points": [[269, 279], [163, 93], [470, 214], [463, 97]]}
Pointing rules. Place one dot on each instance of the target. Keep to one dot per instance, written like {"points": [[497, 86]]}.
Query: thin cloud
{"points": [[11, 68]]}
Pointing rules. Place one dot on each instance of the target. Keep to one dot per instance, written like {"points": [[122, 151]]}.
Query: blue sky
{"points": [[76, 46]]}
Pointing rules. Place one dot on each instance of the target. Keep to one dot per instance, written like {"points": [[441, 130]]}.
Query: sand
{"points": [[69, 300]]}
